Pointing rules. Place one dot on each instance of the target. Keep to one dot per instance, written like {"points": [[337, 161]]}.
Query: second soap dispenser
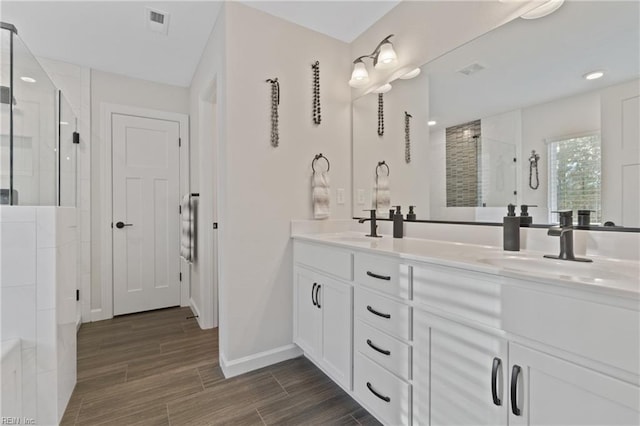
{"points": [[511, 230], [398, 226]]}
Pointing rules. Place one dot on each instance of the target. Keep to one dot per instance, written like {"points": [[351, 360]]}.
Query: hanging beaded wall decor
{"points": [[380, 114], [317, 117], [407, 137], [275, 101]]}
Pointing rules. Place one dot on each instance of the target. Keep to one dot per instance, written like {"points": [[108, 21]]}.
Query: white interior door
{"points": [[146, 262]]}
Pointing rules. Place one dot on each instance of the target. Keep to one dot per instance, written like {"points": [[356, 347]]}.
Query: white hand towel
{"points": [[382, 196], [186, 229], [320, 195]]}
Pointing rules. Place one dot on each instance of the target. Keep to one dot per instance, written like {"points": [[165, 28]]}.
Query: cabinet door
{"points": [[551, 391], [335, 299], [308, 317], [468, 376]]}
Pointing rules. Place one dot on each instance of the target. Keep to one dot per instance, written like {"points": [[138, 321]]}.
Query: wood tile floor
{"points": [[159, 368]]}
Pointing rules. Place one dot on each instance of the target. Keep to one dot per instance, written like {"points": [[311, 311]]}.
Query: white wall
{"points": [[408, 182], [261, 187], [207, 99], [117, 89]]}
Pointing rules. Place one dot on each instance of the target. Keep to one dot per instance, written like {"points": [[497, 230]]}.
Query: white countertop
{"points": [[604, 275]]}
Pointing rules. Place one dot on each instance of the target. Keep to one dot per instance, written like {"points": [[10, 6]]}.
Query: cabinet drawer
{"points": [[383, 274], [597, 331], [381, 392], [383, 313], [474, 296], [328, 259], [391, 353]]}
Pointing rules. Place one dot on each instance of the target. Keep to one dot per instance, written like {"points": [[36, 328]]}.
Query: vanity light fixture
{"points": [[593, 75], [543, 10], [383, 89], [383, 57], [28, 79], [431, 123], [411, 74]]}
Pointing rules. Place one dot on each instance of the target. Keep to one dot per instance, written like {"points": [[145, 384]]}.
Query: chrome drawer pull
{"points": [[382, 397], [375, 348], [380, 277], [373, 311]]}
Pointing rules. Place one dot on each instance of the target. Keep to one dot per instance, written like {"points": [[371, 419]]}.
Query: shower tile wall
{"points": [[462, 153]]}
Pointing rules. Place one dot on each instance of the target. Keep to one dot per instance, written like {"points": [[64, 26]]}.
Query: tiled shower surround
{"points": [[463, 146]]}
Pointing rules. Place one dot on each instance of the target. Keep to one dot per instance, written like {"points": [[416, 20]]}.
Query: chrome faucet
{"points": [[374, 226], [565, 231]]}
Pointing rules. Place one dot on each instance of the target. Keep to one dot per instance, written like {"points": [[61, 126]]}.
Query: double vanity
{"points": [[429, 332]]}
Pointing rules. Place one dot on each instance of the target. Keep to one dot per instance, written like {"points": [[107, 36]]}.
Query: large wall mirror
{"points": [[510, 117]]}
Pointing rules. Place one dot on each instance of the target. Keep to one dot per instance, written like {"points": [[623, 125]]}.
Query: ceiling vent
{"points": [[471, 69], [157, 20]]}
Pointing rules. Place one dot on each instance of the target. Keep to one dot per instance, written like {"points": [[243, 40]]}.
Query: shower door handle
{"points": [[121, 225]]}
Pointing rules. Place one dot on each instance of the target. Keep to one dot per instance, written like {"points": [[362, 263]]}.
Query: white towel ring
{"points": [[380, 164], [316, 158]]}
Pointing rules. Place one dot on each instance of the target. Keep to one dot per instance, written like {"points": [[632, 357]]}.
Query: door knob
{"points": [[121, 225]]}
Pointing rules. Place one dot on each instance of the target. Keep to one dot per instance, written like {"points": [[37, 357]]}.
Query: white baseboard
{"points": [[196, 311], [97, 315], [78, 323], [253, 362]]}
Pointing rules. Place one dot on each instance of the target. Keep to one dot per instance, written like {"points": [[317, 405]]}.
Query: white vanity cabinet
{"points": [[323, 314], [434, 343]]}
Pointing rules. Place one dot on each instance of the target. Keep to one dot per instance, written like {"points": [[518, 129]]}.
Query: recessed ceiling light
{"points": [[543, 10], [432, 122], [594, 75], [383, 89], [411, 74], [28, 79]]}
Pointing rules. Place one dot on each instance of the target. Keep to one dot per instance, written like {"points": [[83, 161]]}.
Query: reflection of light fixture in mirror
{"points": [[383, 57], [543, 10], [28, 79], [64, 123], [432, 123], [593, 75], [68, 158], [411, 74], [383, 89]]}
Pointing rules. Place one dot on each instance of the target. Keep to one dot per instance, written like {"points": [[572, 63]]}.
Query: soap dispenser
{"points": [[511, 230], [398, 226], [525, 219], [411, 215]]}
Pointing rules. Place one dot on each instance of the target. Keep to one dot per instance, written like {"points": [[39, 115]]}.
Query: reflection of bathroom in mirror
{"points": [[517, 89]]}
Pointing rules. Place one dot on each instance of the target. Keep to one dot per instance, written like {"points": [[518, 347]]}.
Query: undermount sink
{"points": [[598, 271]]}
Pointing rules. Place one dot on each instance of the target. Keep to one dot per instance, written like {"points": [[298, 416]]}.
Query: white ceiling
{"points": [[111, 35], [528, 62]]}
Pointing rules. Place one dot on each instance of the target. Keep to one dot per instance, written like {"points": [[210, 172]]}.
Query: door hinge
{"points": [[77, 295], [180, 276], [215, 225], [179, 141], [180, 209]]}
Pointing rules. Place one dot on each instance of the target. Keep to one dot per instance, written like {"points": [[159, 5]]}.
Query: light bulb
{"points": [[543, 10], [411, 74], [387, 57], [594, 75], [383, 89], [359, 76]]}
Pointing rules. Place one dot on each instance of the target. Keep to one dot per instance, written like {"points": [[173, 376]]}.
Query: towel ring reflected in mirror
{"points": [[316, 158], [379, 166]]}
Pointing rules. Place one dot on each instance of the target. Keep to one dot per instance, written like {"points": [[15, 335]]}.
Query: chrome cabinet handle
{"points": [[380, 277], [515, 372], [373, 311], [373, 391], [375, 348], [494, 380]]}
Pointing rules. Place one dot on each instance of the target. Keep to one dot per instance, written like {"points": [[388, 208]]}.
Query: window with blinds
{"points": [[575, 173]]}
